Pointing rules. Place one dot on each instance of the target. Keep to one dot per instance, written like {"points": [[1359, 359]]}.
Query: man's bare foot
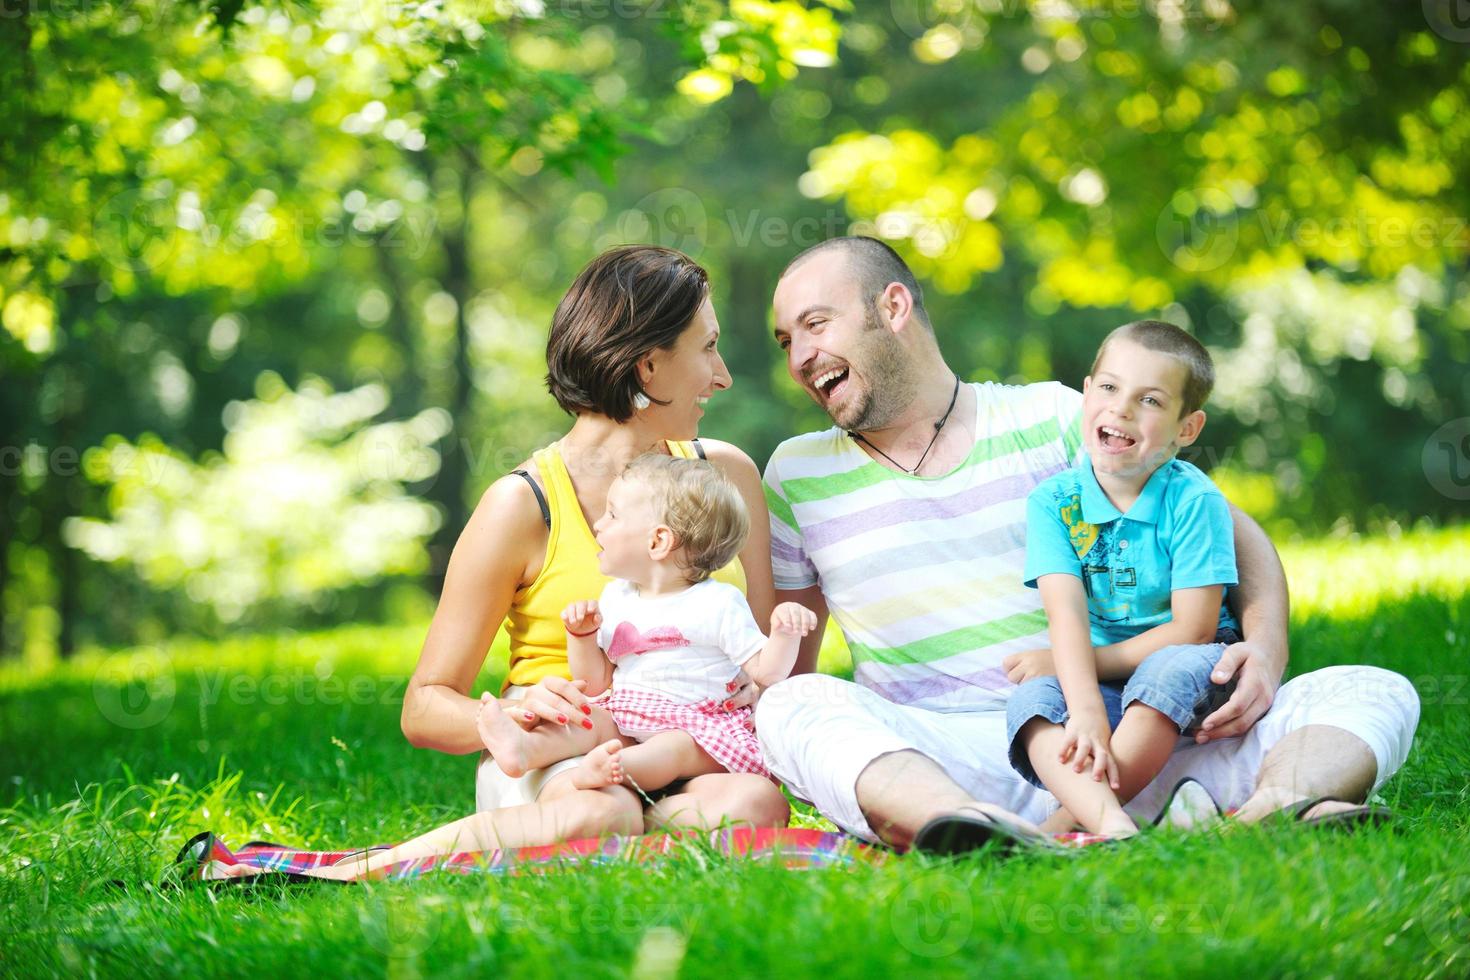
{"points": [[600, 767], [504, 738]]}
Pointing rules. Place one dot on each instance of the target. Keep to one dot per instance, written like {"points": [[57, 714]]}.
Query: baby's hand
{"points": [[793, 619], [582, 617]]}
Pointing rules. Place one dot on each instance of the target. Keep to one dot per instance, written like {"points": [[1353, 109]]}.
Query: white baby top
{"points": [[684, 645]]}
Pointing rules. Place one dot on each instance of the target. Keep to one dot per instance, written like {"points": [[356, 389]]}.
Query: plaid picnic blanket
{"points": [[207, 858]]}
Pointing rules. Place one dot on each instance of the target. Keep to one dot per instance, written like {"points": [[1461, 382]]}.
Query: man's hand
{"points": [[1023, 666], [1256, 684]]}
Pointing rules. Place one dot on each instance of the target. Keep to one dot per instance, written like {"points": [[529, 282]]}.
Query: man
{"points": [[906, 522]]}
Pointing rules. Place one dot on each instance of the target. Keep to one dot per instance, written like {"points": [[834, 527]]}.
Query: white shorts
{"points": [[494, 789], [819, 733]]}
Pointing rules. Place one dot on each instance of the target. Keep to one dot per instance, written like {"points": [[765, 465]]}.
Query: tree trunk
{"points": [[449, 489]]}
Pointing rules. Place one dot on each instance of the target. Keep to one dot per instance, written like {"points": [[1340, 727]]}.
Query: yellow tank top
{"points": [[538, 646]]}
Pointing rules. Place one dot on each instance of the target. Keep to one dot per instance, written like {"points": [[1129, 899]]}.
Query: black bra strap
{"points": [[540, 497], [698, 449]]}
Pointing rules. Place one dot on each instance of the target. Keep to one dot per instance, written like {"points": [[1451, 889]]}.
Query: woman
{"points": [[632, 355]]}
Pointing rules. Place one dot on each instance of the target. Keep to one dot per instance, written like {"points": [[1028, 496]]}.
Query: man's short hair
{"points": [[702, 508], [1165, 338], [874, 265], [626, 303]]}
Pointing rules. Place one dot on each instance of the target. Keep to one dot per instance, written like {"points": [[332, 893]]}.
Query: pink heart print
{"points": [[628, 640]]}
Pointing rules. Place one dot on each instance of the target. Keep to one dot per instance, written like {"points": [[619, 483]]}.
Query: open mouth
{"points": [[1114, 440], [830, 382]]}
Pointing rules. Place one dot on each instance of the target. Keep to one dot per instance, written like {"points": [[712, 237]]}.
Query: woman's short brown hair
{"points": [[702, 508], [626, 302]]}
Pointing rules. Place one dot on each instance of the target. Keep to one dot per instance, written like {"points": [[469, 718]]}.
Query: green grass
{"points": [[109, 762]]}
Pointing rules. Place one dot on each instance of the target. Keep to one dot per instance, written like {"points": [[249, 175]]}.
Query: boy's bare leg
{"points": [[517, 751], [649, 765], [1092, 801], [1142, 743]]}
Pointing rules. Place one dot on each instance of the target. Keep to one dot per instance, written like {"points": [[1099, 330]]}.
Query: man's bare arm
{"points": [[1261, 605]]}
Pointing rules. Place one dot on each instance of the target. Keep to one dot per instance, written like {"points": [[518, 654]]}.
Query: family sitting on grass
{"points": [[1056, 625]]}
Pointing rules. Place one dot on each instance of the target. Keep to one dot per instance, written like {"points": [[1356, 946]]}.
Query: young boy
{"points": [[1133, 552]]}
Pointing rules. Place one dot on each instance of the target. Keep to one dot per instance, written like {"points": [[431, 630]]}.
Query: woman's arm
{"points": [[490, 561], [755, 557]]}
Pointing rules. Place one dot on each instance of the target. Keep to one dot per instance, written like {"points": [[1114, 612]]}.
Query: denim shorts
{"points": [[1174, 681]]}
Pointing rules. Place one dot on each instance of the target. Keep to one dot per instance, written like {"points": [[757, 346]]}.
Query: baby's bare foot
{"points": [[504, 738], [600, 767]]}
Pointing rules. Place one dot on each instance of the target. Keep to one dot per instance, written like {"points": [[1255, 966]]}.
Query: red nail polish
{"points": [[729, 705], [586, 709], [586, 724], [530, 716], [561, 719]]}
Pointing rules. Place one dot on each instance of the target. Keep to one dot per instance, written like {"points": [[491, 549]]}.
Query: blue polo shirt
{"points": [[1177, 535]]}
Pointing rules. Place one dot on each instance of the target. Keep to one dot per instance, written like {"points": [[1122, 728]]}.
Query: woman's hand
{"points": [[553, 699]]}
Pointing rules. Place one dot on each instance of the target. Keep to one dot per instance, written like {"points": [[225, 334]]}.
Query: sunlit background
{"points": [[277, 276]]}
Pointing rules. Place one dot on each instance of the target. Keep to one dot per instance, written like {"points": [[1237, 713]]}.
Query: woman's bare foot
{"points": [[504, 738], [600, 767]]}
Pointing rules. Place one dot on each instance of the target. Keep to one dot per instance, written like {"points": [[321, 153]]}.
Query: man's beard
{"points": [[890, 388]]}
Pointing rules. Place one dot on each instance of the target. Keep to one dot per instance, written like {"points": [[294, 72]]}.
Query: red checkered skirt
{"points": [[726, 735]]}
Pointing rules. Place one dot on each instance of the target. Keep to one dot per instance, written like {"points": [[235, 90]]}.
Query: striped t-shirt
{"points": [[924, 574]]}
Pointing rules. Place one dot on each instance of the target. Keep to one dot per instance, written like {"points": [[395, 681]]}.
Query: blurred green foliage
{"points": [[394, 195]]}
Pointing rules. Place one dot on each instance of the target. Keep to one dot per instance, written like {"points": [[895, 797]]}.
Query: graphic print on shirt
{"points": [[628, 640], [1110, 584]]}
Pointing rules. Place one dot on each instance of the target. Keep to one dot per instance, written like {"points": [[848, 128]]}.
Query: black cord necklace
{"points": [[954, 396]]}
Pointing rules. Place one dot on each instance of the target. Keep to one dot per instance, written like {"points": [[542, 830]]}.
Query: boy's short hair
{"points": [[702, 508], [1156, 335]]}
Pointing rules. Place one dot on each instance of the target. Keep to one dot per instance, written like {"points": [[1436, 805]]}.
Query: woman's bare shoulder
{"points": [[730, 458]]}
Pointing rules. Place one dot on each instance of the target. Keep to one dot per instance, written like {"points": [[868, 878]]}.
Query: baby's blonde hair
{"points": [[701, 507]]}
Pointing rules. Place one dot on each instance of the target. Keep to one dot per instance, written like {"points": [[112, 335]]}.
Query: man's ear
{"points": [[661, 542], [1190, 427], [896, 306]]}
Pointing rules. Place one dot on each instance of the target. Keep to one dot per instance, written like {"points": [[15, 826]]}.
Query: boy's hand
{"points": [[1022, 667], [582, 616], [793, 619], [1089, 741]]}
